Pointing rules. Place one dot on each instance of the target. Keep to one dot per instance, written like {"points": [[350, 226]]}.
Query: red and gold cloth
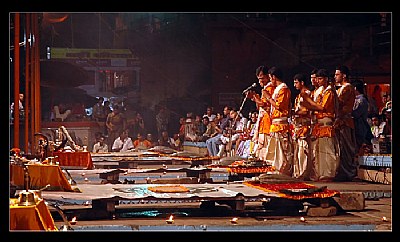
{"points": [[168, 189], [40, 176], [34, 217], [249, 170], [240, 167], [278, 187], [80, 158]]}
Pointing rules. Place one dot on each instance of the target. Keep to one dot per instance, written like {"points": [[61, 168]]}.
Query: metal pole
{"points": [[35, 81], [16, 79], [234, 122], [38, 106], [27, 80], [32, 90]]}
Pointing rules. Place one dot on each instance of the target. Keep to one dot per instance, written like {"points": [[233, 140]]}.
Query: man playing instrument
{"points": [[264, 120]]}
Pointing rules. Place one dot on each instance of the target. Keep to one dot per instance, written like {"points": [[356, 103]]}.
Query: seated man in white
{"points": [[122, 143], [100, 146], [237, 123], [61, 115]]}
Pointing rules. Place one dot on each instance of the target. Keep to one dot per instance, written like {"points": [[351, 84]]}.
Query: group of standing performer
{"points": [[314, 139]]}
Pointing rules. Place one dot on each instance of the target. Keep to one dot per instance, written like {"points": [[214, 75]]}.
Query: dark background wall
{"points": [[191, 60]]}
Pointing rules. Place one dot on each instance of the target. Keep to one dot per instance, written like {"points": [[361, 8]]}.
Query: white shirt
{"points": [[127, 144], [211, 117], [97, 148]]}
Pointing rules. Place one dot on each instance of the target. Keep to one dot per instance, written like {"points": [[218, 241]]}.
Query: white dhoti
{"points": [[326, 160], [261, 149], [301, 158], [280, 152]]}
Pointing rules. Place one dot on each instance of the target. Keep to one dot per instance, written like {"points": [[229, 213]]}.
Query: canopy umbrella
{"points": [[61, 74]]}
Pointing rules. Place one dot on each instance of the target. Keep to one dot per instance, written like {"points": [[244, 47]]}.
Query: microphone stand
{"points": [[234, 121]]}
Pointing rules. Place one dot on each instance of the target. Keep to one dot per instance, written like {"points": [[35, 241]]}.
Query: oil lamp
{"points": [[170, 220], [234, 220], [73, 221]]}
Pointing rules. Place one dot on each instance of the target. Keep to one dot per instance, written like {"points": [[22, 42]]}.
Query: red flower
{"points": [[16, 150]]}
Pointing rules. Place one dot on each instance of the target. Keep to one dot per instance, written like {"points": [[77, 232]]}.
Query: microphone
{"points": [[250, 87]]}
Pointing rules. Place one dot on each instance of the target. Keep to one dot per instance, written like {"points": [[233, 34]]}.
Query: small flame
{"points": [[302, 219], [83, 174], [170, 220], [384, 218], [73, 221], [234, 220]]}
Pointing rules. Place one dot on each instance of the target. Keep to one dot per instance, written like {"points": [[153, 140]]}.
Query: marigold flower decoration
{"points": [[16, 151]]}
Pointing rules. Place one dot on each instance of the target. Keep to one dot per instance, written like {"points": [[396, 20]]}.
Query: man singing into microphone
{"points": [[249, 88], [264, 121]]}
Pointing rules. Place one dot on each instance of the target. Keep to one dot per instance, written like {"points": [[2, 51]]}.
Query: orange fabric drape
{"points": [[35, 217], [249, 170], [282, 101], [265, 122], [81, 158], [276, 188], [327, 102], [41, 175]]}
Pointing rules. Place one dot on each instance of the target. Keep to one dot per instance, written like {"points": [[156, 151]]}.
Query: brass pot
{"points": [[26, 198], [51, 161], [37, 194]]}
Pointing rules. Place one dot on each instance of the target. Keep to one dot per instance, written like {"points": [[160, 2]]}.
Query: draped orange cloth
{"points": [[265, 122], [249, 170], [41, 175], [34, 217], [276, 188], [302, 131], [282, 102], [327, 102], [239, 167], [302, 119], [80, 158]]}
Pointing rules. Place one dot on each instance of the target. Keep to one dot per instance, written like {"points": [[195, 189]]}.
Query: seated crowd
{"points": [[225, 133]]}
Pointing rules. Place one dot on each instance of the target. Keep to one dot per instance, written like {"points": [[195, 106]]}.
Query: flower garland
{"points": [[279, 187]]}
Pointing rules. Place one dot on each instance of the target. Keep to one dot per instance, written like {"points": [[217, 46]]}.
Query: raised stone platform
{"points": [[195, 147]]}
